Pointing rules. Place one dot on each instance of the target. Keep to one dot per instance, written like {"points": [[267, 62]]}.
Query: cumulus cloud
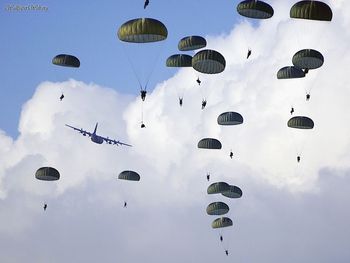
{"points": [[283, 206]]}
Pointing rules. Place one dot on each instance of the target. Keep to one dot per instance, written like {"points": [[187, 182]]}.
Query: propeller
{"points": [[82, 132]]}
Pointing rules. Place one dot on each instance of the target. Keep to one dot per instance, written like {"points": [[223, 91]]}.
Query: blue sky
{"points": [[289, 212], [88, 31]]}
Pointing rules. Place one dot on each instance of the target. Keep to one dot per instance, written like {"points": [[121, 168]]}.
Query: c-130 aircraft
{"points": [[96, 138]]}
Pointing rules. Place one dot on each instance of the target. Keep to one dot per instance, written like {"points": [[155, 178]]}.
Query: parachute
{"points": [[66, 61], [233, 192], [218, 188], [209, 143], [47, 174], [179, 60], [222, 222], [299, 125], [230, 118], [308, 59], [300, 122], [142, 30], [208, 61], [217, 208], [255, 9], [192, 43], [129, 175], [290, 72], [311, 10]]}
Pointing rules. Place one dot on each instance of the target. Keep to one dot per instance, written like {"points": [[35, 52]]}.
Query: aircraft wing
{"points": [[83, 132], [110, 141]]}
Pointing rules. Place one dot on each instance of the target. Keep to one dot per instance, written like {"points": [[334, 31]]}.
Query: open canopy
{"points": [[192, 43], [47, 174], [255, 9], [129, 175], [311, 10], [142, 30]]}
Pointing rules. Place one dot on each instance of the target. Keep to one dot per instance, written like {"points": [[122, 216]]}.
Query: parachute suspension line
{"points": [[132, 66], [307, 91], [224, 242], [301, 31], [304, 143], [205, 92], [299, 140], [62, 94], [180, 94], [245, 38], [227, 240], [311, 87], [142, 112], [299, 170], [249, 38], [227, 237], [180, 91], [202, 95], [297, 34], [153, 67], [295, 142], [202, 89]]}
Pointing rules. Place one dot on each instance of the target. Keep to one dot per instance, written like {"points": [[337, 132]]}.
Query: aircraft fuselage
{"points": [[96, 139]]}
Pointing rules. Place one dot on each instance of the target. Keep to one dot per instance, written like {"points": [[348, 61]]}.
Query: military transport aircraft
{"points": [[96, 138]]}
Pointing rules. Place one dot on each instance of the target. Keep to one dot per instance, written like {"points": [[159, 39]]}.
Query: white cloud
{"points": [[283, 200]]}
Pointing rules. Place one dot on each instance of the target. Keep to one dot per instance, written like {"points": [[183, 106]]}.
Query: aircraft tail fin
{"points": [[95, 128]]}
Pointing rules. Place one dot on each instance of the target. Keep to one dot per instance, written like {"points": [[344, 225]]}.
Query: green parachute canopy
{"points": [[179, 60], [208, 61], [129, 175], [308, 59], [230, 118], [255, 9], [222, 222], [66, 61], [311, 10], [300, 122], [47, 174], [217, 208], [192, 43], [218, 188], [233, 192], [209, 143], [290, 73], [142, 30]]}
